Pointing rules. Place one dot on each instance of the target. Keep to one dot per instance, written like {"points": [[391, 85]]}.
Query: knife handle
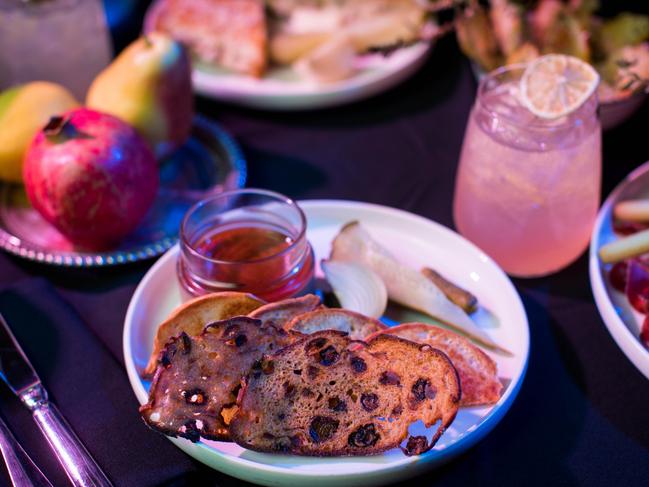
{"points": [[22, 470], [80, 467]]}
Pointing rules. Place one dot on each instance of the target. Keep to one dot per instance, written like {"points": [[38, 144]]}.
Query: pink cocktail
{"points": [[527, 188]]}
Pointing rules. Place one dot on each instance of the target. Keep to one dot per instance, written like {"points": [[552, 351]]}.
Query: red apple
{"points": [[91, 176]]}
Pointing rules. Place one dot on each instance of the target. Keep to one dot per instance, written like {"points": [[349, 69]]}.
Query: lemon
{"points": [[555, 85], [24, 110]]}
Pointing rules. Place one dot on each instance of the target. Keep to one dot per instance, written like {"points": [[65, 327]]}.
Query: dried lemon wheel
{"points": [[555, 85]]}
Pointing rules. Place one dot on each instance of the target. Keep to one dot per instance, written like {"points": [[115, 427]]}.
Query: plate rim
{"points": [[626, 341], [329, 95], [232, 465], [16, 246]]}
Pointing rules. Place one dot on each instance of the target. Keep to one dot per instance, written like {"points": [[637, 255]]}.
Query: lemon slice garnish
{"points": [[555, 85]]}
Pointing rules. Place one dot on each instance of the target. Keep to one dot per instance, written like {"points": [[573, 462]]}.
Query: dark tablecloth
{"points": [[582, 415]]}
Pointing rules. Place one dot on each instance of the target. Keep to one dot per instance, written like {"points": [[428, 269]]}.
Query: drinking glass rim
{"points": [[538, 124], [263, 192]]}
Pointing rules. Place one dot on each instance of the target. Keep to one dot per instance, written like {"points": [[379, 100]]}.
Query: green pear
{"points": [[149, 86], [24, 110]]}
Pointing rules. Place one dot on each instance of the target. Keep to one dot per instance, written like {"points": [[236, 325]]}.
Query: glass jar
{"points": [[247, 240]]}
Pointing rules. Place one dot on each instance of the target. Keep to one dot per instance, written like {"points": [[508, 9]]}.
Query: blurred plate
{"points": [[614, 113], [417, 242], [286, 89], [210, 162], [621, 319]]}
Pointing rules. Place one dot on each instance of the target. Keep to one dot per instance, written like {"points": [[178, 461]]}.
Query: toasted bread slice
{"points": [[227, 33], [328, 395], [478, 372], [282, 312], [192, 317], [358, 326], [195, 386]]}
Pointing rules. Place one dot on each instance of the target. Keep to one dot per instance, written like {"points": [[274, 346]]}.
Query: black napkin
{"points": [[91, 388]]}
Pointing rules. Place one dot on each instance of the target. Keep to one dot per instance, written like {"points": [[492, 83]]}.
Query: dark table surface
{"points": [[582, 415]]}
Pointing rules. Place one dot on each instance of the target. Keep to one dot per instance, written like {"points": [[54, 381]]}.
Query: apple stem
{"points": [[147, 41], [59, 129]]}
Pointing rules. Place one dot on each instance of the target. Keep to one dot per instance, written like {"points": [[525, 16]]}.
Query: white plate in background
{"points": [[285, 89]]}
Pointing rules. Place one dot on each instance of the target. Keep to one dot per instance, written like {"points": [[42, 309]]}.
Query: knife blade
{"points": [[15, 368], [17, 372]]}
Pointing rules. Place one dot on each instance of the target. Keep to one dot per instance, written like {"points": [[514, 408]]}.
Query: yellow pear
{"points": [[24, 110], [149, 86]]}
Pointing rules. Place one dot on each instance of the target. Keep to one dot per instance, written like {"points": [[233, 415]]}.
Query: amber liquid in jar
{"points": [[242, 243], [251, 257]]}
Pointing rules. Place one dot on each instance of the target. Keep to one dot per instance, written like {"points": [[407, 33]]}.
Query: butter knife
{"points": [[20, 376]]}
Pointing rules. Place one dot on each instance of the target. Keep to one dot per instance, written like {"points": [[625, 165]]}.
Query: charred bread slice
{"points": [[192, 317], [327, 395], [194, 390], [358, 326], [478, 372]]}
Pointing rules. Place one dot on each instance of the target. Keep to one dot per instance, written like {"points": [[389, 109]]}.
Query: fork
{"points": [[22, 470]]}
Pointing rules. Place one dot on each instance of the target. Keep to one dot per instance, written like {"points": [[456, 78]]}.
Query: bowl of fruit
{"points": [[511, 32], [108, 182]]}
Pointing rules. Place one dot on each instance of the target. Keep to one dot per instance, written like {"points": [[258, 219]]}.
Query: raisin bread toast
{"points": [[282, 312], [358, 326], [228, 33], [192, 317], [195, 386], [328, 395], [478, 372]]}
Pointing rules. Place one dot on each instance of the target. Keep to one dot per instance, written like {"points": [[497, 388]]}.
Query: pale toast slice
{"points": [[358, 326], [282, 312]]}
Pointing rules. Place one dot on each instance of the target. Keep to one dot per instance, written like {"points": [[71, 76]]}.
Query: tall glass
{"points": [[64, 41], [527, 189]]}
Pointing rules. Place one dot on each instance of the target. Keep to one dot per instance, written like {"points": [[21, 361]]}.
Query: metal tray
{"points": [[210, 162]]}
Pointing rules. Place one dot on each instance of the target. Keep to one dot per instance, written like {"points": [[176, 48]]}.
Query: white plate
{"points": [[623, 322], [285, 89], [417, 242]]}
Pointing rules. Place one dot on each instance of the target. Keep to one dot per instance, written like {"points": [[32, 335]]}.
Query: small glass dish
{"points": [[247, 240]]}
